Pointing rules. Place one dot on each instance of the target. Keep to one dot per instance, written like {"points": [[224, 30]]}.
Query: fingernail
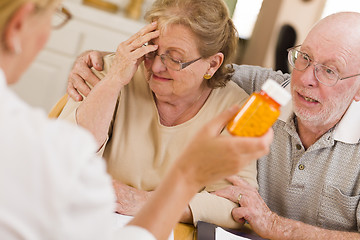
{"points": [[154, 23]]}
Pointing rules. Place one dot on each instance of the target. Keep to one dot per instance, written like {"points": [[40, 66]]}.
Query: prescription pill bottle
{"points": [[260, 111]]}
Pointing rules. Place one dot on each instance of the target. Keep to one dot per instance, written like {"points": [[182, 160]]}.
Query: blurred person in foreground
{"points": [[52, 184]]}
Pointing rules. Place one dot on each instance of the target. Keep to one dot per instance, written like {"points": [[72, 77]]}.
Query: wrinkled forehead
{"points": [[342, 28], [176, 30], [335, 38]]}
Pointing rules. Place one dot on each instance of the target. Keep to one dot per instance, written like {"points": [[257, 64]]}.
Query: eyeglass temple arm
{"points": [[184, 65]]}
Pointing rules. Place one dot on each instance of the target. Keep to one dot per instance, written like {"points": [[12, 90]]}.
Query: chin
{"points": [[313, 118]]}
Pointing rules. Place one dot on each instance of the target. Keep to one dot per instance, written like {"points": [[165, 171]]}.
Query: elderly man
{"points": [[309, 183]]}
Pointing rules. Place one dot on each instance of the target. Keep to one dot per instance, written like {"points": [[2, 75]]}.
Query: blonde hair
{"points": [[210, 21], [8, 8]]}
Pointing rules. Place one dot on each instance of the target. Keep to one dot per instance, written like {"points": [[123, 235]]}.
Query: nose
{"points": [[158, 65], [307, 76]]}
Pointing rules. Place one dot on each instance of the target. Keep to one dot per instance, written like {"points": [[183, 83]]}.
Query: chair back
{"points": [[58, 107]]}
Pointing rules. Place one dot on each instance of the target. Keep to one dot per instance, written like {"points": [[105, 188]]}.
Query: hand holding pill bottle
{"points": [[260, 111]]}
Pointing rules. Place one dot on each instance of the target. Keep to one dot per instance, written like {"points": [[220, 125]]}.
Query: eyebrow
{"points": [[336, 65], [178, 50]]}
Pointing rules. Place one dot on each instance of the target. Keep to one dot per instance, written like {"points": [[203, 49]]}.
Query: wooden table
{"points": [[184, 231]]}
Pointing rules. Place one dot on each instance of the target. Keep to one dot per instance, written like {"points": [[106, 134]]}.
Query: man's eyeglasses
{"points": [[60, 17], [169, 62], [324, 74]]}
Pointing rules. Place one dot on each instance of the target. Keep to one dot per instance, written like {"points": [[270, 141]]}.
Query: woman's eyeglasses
{"points": [[169, 62]]}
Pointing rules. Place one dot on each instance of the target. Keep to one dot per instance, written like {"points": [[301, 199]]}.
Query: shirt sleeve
{"points": [[69, 114], [69, 111], [203, 209], [251, 78]]}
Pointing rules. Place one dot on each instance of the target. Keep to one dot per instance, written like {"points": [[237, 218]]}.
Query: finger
{"points": [[148, 28], [139, 42], [119, 208], [73, 93], [86, 74], [229, 193], [96, 60], [269, 136], [254, 147], [114, 183], [80, 85], [242, 221], [238, 214], [215, 126], [142, 51], [257, 222]]}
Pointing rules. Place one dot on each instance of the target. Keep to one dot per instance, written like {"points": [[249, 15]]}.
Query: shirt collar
{"points": [[347, 130]]}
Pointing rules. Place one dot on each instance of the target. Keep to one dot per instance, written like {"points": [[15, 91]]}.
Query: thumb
{"points": [[239, 214], [96, 60], [215, 126]]}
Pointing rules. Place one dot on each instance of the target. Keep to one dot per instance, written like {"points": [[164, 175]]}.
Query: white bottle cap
{"points": [[276, 92]]}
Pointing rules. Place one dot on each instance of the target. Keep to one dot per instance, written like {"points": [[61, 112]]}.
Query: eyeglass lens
{"points": [[169, 62], [323, 74]]}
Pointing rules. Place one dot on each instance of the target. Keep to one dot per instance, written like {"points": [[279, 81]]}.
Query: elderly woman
{"points": [[143, 115]]}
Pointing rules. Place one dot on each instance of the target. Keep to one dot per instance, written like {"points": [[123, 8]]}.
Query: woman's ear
{"points": [[15, 26], [215, 62]]}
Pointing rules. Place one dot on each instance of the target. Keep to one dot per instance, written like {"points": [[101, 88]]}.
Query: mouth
{"points": [[159, 78], [308, 99]]}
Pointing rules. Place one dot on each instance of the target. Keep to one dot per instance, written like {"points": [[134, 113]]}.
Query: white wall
{"points": [[45, 81]]}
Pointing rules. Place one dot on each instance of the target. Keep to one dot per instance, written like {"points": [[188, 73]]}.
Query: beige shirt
{"points": [[140, 149]]}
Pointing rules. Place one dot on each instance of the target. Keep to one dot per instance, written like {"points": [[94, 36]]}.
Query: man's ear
{"points": [[215, 62], [15, 26]]}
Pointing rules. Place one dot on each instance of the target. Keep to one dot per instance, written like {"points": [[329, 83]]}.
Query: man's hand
{"points": [[81, 73], [252, 207]]}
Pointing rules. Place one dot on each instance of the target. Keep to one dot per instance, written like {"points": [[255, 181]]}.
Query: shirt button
{"points": [[298, 147], [301, 167]]}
